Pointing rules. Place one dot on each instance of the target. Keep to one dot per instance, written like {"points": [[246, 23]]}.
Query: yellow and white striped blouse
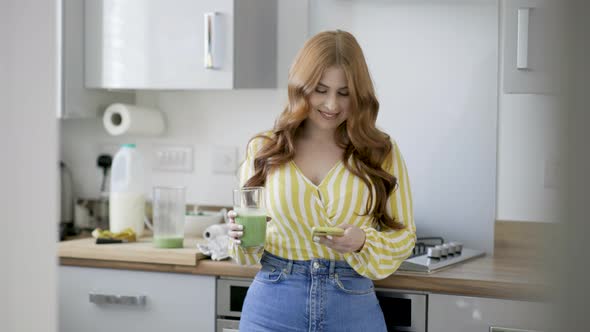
{"points": [[296, 205]]}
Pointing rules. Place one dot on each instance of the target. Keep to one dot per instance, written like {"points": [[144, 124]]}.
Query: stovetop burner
{"points": [[422, 243], [431, 254]]}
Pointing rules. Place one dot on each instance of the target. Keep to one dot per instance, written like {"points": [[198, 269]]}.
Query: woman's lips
{"points": [[329, 116]]}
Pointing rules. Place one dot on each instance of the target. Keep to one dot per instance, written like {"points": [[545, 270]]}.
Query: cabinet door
{"points": [[158, 44], [533, 44], [77, 100], [447, 313], [173, 302]]}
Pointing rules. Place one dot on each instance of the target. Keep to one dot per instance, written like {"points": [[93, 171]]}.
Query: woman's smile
{"points": [[329, 116]]}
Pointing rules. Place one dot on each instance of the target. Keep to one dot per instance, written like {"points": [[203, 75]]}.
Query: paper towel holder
{"points": [[119, 119]]}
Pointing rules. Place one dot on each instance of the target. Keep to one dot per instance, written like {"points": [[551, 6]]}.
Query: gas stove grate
{"points": [[423, 243]]}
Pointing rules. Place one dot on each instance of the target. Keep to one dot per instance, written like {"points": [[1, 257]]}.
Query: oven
{"points": [[231, 293], [403, 311]]}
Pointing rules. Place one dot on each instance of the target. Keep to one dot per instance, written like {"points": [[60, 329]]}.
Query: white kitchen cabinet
{"points": [[77, 100], [173, 302], [533, 44], [449, 313], [181, 44]]}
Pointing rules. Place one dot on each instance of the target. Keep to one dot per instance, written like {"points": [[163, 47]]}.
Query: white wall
{"points": [[438, 92], [28, 171]]}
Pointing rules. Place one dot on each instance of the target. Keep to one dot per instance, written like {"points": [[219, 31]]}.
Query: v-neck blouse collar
{"points": [[326, 178]]}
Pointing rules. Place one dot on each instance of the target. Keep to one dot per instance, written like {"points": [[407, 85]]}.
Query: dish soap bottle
{"points": [[127, 198]]}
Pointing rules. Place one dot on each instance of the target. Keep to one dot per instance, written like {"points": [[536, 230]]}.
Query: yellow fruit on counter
{"points": [[126, 234]]}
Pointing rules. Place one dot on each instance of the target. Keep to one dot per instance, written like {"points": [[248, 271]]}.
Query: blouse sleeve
{"points": [[385, 250], [247, 256]]}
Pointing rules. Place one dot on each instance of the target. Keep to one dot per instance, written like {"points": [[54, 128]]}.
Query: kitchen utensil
{"points": [[67, 194], [104, 161]]}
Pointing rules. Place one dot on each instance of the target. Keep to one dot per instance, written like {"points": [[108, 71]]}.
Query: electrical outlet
{"points": [[173, 158], [225, 159]]}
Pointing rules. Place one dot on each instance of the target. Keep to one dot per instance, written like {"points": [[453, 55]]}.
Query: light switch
{"points": [[225, 159], [173, 158]]}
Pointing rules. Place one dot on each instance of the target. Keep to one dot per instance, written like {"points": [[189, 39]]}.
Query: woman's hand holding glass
{"points": [[236, 231]]}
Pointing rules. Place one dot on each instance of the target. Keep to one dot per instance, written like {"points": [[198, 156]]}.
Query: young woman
{"points": [[325, 164]]}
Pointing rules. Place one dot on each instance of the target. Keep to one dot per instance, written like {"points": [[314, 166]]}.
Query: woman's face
{"points": [[330, 101]]}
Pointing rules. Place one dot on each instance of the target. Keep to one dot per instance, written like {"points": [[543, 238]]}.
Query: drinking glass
{"points": [[168, 215], [251, 214]]}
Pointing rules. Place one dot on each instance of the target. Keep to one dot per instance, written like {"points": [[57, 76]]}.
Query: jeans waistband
{"points": [[314, 266]]}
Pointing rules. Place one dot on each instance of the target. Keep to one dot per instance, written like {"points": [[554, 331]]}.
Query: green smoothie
{"points": [[168, 242], [254, 228]]}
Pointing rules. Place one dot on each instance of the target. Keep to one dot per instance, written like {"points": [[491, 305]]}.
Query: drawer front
{"points": [[475, 314], [93, 299]]}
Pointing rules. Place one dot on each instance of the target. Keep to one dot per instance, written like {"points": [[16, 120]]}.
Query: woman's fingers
{"points": [[324, 240], [235, 227], [340, 244], [236, 231], [231, 215], [235, 235]]}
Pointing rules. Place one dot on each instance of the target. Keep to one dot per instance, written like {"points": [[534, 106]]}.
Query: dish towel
{"points": [[217, 242]]}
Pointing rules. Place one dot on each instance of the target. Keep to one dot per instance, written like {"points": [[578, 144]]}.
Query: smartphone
{"points": [[323, 231]]}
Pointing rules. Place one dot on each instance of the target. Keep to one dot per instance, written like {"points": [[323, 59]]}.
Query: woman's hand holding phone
{"points": [[350, 239]]}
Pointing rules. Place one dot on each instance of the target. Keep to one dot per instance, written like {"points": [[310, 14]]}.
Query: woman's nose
{"points": [[330, 103]]}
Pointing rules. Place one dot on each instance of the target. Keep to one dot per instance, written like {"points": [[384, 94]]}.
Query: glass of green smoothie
{"points": [[168, 213], [251, 214]]}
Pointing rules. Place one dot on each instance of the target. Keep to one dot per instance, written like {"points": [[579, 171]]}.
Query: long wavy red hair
{"points": [[357, 136]]}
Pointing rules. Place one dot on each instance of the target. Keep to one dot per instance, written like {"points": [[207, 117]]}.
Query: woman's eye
{"points": [[320, 91], [343, 93]]}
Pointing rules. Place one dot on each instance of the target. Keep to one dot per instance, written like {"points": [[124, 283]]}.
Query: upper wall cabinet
{"points": [[78, 101], [181, 44], [534, 39]]}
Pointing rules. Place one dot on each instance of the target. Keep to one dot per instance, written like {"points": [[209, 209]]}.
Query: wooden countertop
{"points": [[142, 251], [498, 277]]}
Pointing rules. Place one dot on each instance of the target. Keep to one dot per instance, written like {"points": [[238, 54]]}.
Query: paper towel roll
{"points": [[119, 119], [214, 231]]}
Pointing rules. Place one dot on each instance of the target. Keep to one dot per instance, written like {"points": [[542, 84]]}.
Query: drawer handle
{"points": [[137, 300], [522, 41], [507, 329], [211, 40]]}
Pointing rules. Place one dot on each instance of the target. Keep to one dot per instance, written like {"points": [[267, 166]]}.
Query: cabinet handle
{"points": [[507, 329], [522, 39], [137, 300], [211, 22]]}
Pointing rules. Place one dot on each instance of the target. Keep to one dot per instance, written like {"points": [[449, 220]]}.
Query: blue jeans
{"points": [[314, 295]]}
